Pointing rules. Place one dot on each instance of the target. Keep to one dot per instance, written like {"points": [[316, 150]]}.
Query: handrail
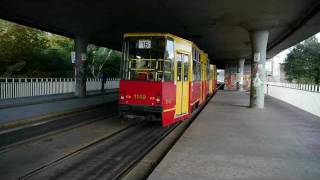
{"points": [[150, 60], [303, 87], [25, 87]]}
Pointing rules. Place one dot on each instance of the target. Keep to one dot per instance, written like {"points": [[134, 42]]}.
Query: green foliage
{"points": [[302, 64], [28, 52], [102, 59], [19, 47]]}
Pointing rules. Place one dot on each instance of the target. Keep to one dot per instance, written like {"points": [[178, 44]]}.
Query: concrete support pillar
{"points": [[240, 74], [80, 67], [259, 40]]}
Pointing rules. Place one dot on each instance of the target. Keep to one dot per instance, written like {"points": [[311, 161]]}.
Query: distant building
{"points": [[275, 70]]}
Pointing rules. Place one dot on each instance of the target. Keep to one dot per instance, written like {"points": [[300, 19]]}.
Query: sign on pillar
{"points": [[256, 57], [83, 57], [73, 57]]}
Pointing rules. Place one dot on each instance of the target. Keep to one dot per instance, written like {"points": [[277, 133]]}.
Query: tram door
{"points": [[182, 87]]}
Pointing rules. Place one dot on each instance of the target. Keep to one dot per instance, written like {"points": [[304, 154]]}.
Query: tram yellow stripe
{"points": [[195, 101], [167, 110]]}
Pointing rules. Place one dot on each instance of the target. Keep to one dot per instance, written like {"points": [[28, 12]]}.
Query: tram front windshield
{"points": [[143, 58]]}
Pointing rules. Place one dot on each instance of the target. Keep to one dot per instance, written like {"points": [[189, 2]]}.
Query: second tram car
{"points": [[163, 77]]}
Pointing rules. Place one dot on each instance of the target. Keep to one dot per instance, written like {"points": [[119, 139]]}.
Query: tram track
{"points": [[55, 124], [42, 151], [110, 157], [110, 153], [72, 154], [145, 167]]}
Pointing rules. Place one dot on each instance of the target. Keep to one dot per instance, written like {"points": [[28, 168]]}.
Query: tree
{"points": [[28, 52], [302, 64], [19, 47], [59, 56], [102, 59]]}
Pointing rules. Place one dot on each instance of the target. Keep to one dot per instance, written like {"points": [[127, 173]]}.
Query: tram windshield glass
{"points": [[147, 59]]}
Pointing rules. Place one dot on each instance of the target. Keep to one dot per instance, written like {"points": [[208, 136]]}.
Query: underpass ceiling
{"points": [[218, 27]]}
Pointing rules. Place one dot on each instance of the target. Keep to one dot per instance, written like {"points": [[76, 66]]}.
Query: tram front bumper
{"points": [[139, 109]]}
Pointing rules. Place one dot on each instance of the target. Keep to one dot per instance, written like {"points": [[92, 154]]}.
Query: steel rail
{"points": [[73, 153], [110, 157]]}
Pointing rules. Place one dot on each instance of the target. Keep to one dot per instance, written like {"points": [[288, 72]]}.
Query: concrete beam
{"points": [[259, 40], [80, 67], [224, 36]]}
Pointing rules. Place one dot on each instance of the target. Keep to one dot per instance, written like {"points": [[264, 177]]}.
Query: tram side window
{"points": [[186, 67], [208, 72], [193, 53], [168, 61], [179, 67], [196, 71], [196, 65], [124, 64], [196, 55]]}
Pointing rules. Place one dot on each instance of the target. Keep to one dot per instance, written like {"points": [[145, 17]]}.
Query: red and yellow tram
{"points": [[163, 77]]}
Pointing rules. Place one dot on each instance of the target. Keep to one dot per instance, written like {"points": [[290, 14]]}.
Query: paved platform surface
{"points": [[229, 141], [37, 106]]}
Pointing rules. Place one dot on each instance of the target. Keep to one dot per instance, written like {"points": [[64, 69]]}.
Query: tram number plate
{"points": [[144, 44], [139, 96]]}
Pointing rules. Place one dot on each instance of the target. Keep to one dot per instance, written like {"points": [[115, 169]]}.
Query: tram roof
{"points": [[146, 34]]}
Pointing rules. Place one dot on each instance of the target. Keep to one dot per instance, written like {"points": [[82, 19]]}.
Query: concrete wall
{"points": [[306, 100]]}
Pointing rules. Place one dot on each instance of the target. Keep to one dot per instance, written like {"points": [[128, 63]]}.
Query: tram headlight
{"points": [[122, 96], [158, 98]]}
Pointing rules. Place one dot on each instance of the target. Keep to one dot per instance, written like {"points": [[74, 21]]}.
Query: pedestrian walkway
{"points": [[28, 108], [230, 141]]}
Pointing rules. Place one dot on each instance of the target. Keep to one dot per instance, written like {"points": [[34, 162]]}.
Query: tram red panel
{"points": [[140, 93], [207, 86], [168, 95], [168, 118], [196, 88], [214, 86], [203, 90], [168, 102], [195, 93]]}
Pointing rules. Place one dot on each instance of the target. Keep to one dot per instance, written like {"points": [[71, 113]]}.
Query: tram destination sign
{"points": [[144, 44]]}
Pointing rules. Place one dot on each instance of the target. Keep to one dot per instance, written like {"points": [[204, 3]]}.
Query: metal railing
{"points": [[304, 87], [26, 87]]}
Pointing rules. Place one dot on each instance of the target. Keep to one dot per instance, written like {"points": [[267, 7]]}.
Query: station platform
{"points": [[20, 109], [229, 141]]}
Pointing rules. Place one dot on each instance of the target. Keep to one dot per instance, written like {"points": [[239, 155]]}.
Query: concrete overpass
{"points": [[227, 30]]}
